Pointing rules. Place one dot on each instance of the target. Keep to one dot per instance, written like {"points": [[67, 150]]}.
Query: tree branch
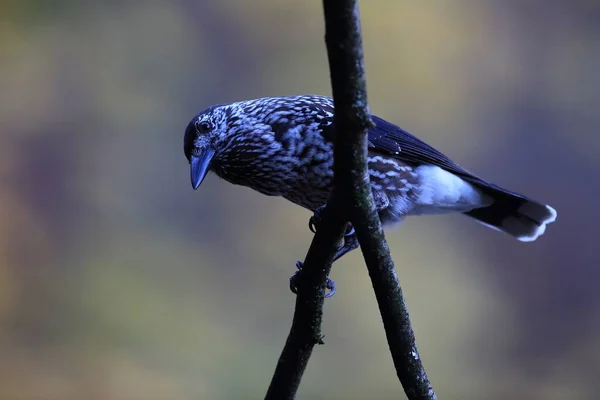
{"points": [[308, 314], [352, 121], [351, 199]]}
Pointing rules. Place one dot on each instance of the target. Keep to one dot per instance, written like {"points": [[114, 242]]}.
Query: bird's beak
{"points": [[199, 166]]}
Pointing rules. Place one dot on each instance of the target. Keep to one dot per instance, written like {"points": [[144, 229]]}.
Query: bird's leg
{"points": [[348, 243]]}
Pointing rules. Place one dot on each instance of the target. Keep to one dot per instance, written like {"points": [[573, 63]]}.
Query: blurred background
{"points": [[117, 281]]}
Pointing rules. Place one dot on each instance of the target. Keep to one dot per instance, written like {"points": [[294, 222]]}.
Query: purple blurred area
{"points": [[117, 281]]}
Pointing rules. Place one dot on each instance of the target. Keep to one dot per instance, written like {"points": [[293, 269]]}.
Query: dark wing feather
{"points": [[390, 139], [395, 142]]}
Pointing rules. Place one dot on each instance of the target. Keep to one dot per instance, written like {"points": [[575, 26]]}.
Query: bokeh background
{"points": [[117, 281]]}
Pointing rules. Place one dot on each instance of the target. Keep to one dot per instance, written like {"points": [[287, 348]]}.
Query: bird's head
{"points": [[203, 136], [245, 142]]}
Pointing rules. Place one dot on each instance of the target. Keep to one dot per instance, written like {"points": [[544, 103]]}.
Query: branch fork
{"points": [[352, 121]]}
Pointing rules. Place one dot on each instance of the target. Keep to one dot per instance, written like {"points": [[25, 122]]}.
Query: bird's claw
{"points": [[330, 285], [349, 230], [312, 224], [294, 278], [315, 219]]}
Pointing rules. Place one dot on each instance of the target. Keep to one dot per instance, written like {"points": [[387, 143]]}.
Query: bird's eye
{"points": [[203, 126]]}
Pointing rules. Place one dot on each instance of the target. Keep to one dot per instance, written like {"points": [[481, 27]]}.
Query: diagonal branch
{"points": [[352, 121], [351, 199], [308, 314]]}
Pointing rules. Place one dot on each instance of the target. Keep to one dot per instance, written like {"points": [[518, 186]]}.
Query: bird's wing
{"points": [[393, 141], [390, 139]]}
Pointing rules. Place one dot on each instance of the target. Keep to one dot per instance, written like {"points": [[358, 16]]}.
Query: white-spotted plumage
{"points": [[282, 146]]}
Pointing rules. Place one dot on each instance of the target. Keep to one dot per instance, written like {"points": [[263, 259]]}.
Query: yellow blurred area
{"points": [[117, 281]]}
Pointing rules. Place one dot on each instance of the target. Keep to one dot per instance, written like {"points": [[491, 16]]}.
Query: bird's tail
{"points": [[523, 218]]}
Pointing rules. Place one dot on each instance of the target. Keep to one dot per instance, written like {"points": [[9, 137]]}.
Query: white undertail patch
{"points": [[441, 191]]}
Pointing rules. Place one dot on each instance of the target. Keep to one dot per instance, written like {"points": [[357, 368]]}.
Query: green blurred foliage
{"points": [[117, 281]]}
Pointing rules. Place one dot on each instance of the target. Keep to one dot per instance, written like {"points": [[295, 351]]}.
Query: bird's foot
{"points": [[329, 287], [316, 219], [349, 243]]}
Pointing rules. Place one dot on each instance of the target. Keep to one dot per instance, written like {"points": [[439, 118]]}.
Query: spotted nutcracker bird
{"points": [[283, 146]]}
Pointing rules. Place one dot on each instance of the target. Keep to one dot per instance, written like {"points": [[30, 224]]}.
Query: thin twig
{"points": [[352, 121], [308, 314]]}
